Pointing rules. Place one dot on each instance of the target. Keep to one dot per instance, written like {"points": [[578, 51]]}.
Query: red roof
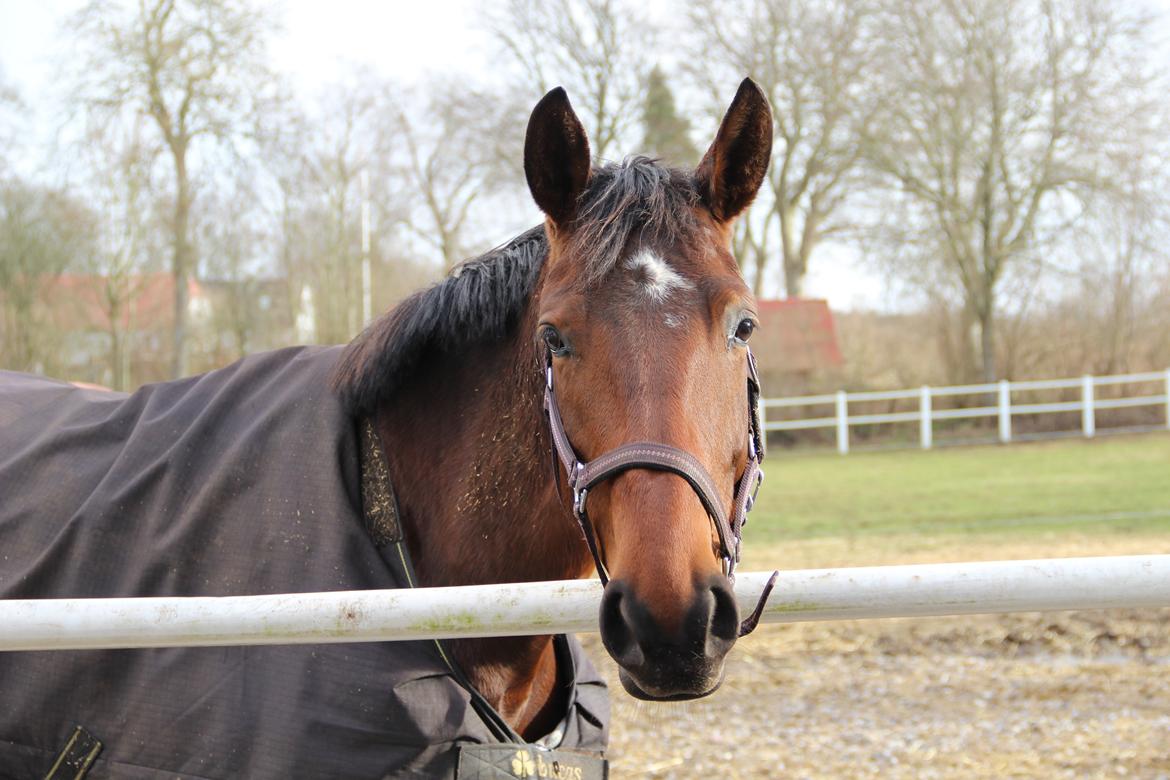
{"points": [[796, 336], [78, 301]]}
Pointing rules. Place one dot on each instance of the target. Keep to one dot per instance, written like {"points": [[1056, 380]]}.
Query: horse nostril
{"points": [[617, 633], [724, 617]]}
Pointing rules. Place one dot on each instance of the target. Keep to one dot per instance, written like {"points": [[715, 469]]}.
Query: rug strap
{"points": [[78, 755]]}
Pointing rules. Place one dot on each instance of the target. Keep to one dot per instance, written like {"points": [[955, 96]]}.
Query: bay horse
{"points": [[580, 399], [629, 302]]}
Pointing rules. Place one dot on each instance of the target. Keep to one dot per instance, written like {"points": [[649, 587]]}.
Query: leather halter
{"points": [[583, 476]]}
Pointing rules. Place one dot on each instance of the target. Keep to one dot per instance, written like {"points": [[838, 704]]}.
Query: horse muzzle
{"points": [[670, 664]]}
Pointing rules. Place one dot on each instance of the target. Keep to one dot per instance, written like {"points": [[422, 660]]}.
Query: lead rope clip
{"points": [[751, 621]]}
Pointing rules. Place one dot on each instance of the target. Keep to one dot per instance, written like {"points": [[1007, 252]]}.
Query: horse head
{"points": [[642, 323]]}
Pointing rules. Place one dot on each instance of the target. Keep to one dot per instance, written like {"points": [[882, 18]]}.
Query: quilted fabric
{"points": [[241, 481]]}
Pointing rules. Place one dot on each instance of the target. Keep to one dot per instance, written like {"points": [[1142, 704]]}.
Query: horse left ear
{"points": [[556, 157], [733, 169]]}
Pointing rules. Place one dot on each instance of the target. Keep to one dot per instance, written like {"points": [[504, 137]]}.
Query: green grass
{"points": [[1113, 485]]}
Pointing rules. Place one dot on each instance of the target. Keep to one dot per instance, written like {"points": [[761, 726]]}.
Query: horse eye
{"points": [[554, 342], [745, 330]]}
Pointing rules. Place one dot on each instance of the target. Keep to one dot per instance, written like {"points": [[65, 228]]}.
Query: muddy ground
{"points": [[1057, 695]]}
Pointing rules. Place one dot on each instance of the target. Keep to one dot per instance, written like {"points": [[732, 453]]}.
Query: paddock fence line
{"points": [[1002, 405], [572, 605]]}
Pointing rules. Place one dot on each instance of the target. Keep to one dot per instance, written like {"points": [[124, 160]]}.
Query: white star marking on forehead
{"points": [[659, 279]]}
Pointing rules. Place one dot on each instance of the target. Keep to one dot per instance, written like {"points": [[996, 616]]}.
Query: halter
{"points": [[584, 476]]}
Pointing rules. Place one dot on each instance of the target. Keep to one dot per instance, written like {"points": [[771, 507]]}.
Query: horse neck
{"points": [[470, 461], [471, 464]]}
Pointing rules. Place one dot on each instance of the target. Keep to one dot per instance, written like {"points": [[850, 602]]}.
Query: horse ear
{"points": [[556, 157], [733, 168]]}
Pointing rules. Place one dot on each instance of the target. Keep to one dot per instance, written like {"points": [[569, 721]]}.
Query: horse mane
{"points": [[482, 298], [476, 302]]}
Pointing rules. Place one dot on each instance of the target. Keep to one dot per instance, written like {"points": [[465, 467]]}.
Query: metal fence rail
{"points": [[841, 419], [572, 605]]}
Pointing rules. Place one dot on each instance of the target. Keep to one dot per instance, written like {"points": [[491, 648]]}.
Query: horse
{"points": [[579, 400]]}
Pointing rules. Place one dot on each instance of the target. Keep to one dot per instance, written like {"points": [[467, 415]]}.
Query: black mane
{"points": [[476, 302], [481, 299]]}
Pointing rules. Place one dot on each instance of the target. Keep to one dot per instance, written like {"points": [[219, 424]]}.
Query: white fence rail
{"points": [[1004, 409], [571, 606]]}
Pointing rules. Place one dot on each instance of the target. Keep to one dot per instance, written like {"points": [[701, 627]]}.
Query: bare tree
{"points": [[10, 106], [598, 50], [232, 232], [346, 150], [284, 153], [1115, 304], [196, 69], [42, 232], [453, 147], [327, 162], [1007, 114], [119, 173], [813, 59]]}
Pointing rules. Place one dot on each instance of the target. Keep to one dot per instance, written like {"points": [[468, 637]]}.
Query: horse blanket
{"points": [[245, 480]]}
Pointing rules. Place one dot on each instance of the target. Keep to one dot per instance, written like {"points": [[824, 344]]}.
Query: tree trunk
{"points": [[793, 270], [761, 261], [22, 341], [793, 279], [116, 348], [181, 261], [987, 344]]}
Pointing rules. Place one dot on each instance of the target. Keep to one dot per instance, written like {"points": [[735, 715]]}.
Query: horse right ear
{"points": [[556, 157]]}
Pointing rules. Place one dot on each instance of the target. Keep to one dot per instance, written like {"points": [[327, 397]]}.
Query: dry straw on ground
{"points": [[1039, 696]]}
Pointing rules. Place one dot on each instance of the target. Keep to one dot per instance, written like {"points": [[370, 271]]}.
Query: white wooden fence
{"points": [[571, 606], [1004, 408]]}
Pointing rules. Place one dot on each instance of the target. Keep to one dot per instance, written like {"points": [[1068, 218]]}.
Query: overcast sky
{"points": [[399, 39]]}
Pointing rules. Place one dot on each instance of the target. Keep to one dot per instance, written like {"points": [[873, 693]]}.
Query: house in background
{"points": [[796, 347], [117, 332], [121, 324]]}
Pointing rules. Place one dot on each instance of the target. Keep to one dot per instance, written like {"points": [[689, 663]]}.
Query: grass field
{"points": [[882, 504], [1047, 695]]}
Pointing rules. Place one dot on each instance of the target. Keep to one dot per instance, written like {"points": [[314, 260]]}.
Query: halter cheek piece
{"points": [[584, 476]]}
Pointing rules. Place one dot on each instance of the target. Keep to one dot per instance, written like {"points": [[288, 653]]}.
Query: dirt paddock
{"points": [[1031, 695]]}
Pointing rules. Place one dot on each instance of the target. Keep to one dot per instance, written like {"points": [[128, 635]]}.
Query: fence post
{"points": [[925, 424], [1168, 398], [842, 422], [1005, 411], [1088, 418]]}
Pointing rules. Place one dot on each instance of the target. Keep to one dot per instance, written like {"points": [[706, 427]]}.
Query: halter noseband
{"points": [[584, 476]]}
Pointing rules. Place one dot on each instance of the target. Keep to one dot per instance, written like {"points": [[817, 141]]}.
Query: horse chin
{"points": [[655, 694]]}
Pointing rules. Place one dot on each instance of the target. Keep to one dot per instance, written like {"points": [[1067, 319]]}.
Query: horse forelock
{"points": [[635, 201], [637, 198]]}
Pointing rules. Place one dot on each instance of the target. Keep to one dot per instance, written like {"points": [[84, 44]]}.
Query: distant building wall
{"points": [[796, 346]]}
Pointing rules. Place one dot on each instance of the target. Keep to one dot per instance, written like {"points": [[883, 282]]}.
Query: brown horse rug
{"points": [[246, 480]]}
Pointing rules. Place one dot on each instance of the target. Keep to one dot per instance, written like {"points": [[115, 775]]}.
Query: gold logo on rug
{"points": [[524, 766]]}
